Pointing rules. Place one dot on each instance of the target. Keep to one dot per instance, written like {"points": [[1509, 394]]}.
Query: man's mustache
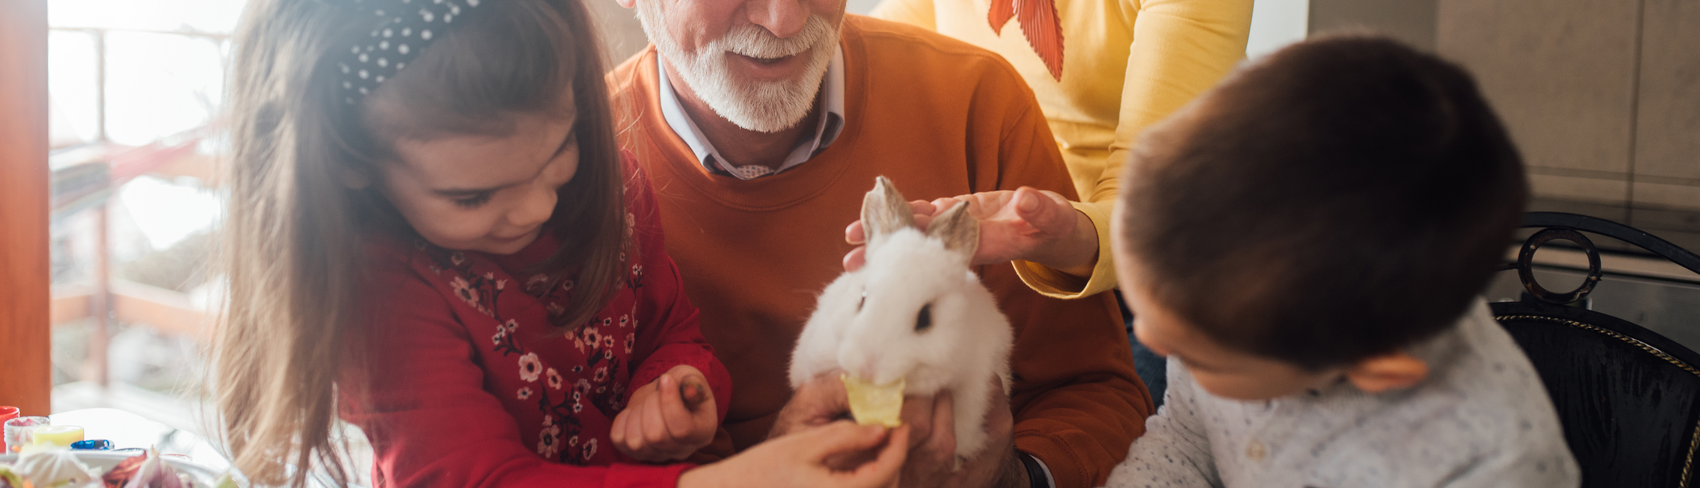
{"points": [[757, 42]]}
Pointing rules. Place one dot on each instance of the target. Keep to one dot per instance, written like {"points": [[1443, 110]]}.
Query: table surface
{"points": [[128, 430]]}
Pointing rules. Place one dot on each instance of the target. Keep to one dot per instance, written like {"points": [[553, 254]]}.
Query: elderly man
{"points": [[762, 122]]}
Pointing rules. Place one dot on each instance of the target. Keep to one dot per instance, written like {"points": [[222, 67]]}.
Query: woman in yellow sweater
{"points": [[1103, 70]]}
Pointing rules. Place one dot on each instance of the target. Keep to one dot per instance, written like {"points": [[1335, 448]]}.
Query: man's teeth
{"points": [[765, 58]]}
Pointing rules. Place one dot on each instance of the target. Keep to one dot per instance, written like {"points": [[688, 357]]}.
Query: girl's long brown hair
{"points": [[295, 229]]}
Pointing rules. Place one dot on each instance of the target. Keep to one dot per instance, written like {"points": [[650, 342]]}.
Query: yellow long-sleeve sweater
{"points": [[1126, 65]]}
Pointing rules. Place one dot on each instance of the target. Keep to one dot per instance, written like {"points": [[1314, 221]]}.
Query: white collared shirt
{"points": [[826, 130]]}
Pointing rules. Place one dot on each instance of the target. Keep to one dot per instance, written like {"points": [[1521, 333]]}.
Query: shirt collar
{"points": [[826, 130]]}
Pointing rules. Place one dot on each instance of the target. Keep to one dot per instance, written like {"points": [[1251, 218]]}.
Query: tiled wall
{"points": [[1411, 21], [1602, 96], [1667, 123]]}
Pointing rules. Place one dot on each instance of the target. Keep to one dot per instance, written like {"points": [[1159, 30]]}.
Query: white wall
{"points": [[1276, 23], [861, 7]]}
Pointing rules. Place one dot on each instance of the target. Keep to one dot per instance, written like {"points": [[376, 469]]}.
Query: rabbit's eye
{"points": [[924, 320], [863, 302]]}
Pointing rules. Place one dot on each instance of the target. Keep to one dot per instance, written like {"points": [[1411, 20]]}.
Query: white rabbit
{"points": [[914, 312]]}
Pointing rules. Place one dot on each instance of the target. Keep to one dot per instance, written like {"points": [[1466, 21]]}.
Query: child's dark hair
{"points": [[1339, 199]]}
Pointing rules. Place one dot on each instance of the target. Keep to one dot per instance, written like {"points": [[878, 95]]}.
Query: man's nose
{"points": [[784, 18]]}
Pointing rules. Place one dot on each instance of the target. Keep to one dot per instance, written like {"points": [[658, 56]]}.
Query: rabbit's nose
{"points": [[868, 369]]}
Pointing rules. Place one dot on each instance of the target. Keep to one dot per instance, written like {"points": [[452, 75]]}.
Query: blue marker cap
{"points": [[92, 445]]}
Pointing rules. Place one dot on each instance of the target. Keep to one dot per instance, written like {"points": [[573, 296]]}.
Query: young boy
{"points": [[1305, 243]]}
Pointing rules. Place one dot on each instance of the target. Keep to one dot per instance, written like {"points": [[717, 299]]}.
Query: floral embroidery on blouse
{"points": [[549, 442]]}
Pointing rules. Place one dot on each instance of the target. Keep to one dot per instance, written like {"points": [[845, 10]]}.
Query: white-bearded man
{"points": [[761, 124]]}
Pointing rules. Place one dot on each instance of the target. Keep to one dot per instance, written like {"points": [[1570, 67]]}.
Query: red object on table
{"points": [[6, 413]]}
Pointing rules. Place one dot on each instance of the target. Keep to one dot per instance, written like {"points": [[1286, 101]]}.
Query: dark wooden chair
{"points": [[1629, 398]]}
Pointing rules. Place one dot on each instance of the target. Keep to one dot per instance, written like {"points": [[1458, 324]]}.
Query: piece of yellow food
{"points": [[874, 404]]}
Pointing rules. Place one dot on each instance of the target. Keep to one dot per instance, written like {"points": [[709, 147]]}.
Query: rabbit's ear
{"points": [[885, 211], [959, 230]]}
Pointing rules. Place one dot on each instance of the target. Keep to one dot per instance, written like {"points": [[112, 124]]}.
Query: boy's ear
{"points": [[1387, 372], [626, 3]]}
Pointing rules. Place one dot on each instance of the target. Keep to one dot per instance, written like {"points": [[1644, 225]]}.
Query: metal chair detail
{"points": [[1628, 398]]}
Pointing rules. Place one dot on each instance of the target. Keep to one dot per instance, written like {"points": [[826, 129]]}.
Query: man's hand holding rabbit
{"points": [[932, 461], [660, 425], [818, 402]]}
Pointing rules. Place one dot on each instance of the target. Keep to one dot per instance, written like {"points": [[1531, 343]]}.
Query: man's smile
{"points": [[771, 68]]}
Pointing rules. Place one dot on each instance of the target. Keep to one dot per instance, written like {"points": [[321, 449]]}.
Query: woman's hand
{"points": [[1030, 224], [805, 459], [663, 423]]}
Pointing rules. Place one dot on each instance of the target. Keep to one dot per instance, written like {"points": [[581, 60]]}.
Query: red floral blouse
{"points": [[466, 383]]}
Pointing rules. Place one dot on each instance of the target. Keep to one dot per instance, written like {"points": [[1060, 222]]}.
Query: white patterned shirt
{"points": [[1481, 419]]}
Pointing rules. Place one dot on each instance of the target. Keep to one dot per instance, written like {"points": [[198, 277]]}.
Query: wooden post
{"points": [[26, 379], [97, 369]]}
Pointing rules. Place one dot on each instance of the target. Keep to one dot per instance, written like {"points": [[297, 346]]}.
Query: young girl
{"points": [[432, 235]]}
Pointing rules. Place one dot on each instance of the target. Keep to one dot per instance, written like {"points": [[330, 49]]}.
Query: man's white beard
{"points": [[761, 106]]}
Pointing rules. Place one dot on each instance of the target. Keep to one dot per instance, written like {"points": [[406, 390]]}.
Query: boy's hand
{"points": [[1035, 225], [801, 459], [667, 419]]}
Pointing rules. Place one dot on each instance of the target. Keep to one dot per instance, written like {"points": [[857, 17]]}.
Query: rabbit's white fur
{"points": [[876, 339]]}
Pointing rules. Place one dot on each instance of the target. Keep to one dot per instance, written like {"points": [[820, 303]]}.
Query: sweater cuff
{"points": [[642, 476], [1061, 465], [1038, 474], [1050, 282]]}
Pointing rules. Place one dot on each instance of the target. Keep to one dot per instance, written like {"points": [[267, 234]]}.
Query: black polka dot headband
{"points": [[412, 25]]}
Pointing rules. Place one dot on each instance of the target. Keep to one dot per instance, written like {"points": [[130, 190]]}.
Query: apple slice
{"points": [[874, 404]]}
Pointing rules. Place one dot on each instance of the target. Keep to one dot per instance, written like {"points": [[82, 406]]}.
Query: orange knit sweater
{"points": [[940, 118]]}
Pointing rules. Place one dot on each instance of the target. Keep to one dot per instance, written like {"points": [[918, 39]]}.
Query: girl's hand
{"points": [[803, 459], [1034, 225], [667, 422]]}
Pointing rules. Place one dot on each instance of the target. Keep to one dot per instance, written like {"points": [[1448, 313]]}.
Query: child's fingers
{"points": [[884, 469], [693, 386], [839, 437], [674, 413], [694, 392], [622, 437], [655, 431], [636, 438], [617, 430]]}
